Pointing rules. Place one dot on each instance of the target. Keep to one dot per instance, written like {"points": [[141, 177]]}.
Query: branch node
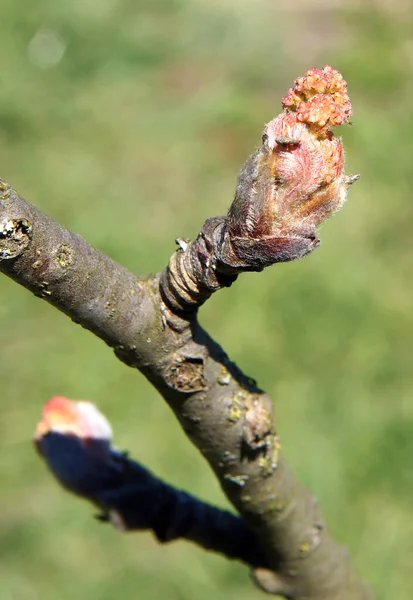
{"points": [[192, 275]]}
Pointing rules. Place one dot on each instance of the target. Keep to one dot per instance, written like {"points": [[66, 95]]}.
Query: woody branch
{"points": [[285, 190]]}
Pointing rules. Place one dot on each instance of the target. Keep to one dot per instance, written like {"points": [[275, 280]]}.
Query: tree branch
{"points": [[222, 411], [74, 439], [284, 191]]}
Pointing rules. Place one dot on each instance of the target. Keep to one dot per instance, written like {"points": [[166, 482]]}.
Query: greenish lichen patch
{"points": [[269, 458], [5, 190], [312, 541], [224, 377], [64, 255], [237, 407], [305, 548], [276, 445]]}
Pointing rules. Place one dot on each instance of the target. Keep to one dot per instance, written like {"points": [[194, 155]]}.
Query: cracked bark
{"points": [[151, 323]]}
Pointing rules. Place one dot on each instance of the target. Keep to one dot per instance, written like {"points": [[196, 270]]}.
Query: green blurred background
{"points": [[127, 121]]}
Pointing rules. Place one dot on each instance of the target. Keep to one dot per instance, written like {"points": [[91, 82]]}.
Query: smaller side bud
{"points": [[74, 439], [81, 419]]}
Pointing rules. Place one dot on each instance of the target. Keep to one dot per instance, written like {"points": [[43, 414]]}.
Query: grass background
{"points": [[128, 121]]}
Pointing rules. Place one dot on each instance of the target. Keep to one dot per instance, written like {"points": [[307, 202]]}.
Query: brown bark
{"points": [[151, 323]]}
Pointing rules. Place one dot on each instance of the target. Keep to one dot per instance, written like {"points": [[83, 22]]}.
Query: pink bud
{"points": [[295, 180], [81, 419], [74, 440]]}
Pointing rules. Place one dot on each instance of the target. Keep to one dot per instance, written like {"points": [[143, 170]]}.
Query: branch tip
{"points": [[291, 185]]}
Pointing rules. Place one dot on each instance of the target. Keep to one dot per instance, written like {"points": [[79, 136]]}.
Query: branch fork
{"points": [[285, 190]]}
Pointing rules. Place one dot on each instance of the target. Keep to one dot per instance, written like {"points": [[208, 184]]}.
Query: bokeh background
{"points": [[127, 121]]}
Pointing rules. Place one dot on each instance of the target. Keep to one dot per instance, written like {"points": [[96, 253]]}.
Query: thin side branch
{"points": [[74, 439]]}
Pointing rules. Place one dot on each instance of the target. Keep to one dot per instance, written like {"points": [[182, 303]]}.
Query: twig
{"points": [[284, 191], [74, 439]]}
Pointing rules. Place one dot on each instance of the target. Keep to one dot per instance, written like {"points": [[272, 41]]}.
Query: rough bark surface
{"points": [[151, 323]]}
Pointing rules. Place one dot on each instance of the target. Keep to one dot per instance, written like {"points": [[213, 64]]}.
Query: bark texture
{"points": [[151, 323]]}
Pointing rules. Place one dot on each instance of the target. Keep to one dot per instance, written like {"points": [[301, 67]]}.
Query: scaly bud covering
{"points": [[295, 180]]}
